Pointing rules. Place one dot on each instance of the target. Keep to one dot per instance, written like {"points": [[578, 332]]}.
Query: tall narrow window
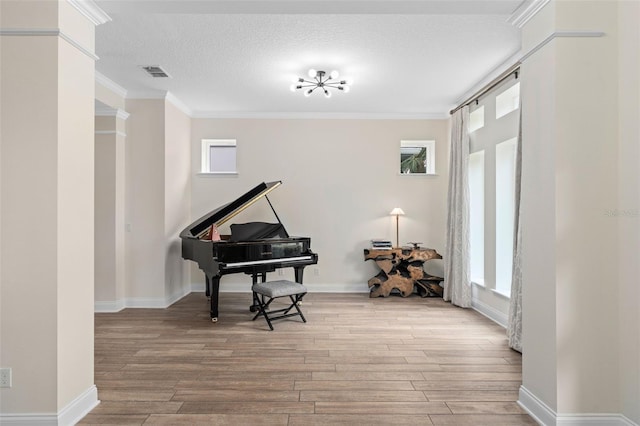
{"points": [[476, 201], [505, 206], [219, 156]]}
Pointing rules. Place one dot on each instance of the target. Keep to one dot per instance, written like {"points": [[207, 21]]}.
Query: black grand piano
{"points": [[253, 248]]}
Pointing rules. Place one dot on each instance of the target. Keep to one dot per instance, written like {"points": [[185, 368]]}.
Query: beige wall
{"points": [[177, 202], [579, 168], [340, 181], [110, 142], [628, 219], [46, 196], [75, 223], [145, 176], [157, 202]]}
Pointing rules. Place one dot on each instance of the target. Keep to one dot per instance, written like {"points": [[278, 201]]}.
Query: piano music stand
{"points": [[274, 290]]}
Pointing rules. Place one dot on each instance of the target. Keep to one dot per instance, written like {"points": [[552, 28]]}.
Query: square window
{"points": [[219, 156], [418, 157]]}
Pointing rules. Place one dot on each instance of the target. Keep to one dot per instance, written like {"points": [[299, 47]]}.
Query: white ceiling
{"points": [[238, 58]]}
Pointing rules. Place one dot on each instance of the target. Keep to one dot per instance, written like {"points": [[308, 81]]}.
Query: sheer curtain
{"points": [[514, 329], [457, 268]]}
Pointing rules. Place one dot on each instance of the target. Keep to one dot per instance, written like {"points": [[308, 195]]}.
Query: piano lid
{"points": [[223, 214]]}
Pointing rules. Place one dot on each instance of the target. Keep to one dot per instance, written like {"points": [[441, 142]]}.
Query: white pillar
{"points": [[571, 193], [110, 138], [47, 211]]}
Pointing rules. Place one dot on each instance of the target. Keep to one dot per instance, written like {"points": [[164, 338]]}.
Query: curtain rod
{"points": [[493, 83]]}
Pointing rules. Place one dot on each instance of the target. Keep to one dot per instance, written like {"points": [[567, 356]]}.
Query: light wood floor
{"points": [[357, 361]]}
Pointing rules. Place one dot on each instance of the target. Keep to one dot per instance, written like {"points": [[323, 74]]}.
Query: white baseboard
{"points": [[68, 416], [110, 306], [537, 409], [594, 420], [140, 302], [544, 415], [79, 407], [489, 312]]}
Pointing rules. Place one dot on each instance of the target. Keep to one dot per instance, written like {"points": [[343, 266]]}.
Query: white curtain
{"points": [[514, 329], [457, 274]]}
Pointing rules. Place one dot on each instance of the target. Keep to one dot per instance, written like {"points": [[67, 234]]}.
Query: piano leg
{"points": [[298, 271], [207, 287], [254, 280], [215, 290]]}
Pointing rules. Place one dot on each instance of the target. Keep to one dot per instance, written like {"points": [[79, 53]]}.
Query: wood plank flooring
{"points": [[357, 361]]}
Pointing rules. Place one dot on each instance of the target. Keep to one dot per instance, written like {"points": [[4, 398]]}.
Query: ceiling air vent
{"points": [[155, 71]]}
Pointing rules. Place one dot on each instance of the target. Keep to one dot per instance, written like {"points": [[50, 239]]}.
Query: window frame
{"points": [[205, 156], [430, 156], [496, 130]]}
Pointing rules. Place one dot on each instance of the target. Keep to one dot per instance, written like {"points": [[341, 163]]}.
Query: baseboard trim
{"points": [[537, 409], [79, 407], [489, 312], [140, 302], [109, 306], [594, 420], [544, 415], [69, 415]]}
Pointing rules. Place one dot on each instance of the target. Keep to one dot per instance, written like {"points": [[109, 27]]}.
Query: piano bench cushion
{"points": [[278, 288]]}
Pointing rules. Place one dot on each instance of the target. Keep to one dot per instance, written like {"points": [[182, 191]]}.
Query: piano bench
{"points": [[266, 292]]}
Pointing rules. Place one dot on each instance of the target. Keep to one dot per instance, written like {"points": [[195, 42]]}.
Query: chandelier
{"points": [[322, 81]]}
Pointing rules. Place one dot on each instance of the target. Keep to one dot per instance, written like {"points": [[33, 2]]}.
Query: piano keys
{"points": [[253, 248]]}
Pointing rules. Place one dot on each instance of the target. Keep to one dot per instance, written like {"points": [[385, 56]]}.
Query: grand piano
{"points": [[253, 248]]}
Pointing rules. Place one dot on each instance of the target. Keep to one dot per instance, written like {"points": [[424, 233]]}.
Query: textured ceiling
{"points": [[238, 58]]}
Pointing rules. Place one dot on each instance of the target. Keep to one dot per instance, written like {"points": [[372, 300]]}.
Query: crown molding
{"points": [[90, 10], [322, 115], [527, 10], [161, 94], [104, 81], [170, 97], [111, 112]]}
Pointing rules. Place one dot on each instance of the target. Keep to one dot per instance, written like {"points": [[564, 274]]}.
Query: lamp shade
{"points": [[397, 212]]}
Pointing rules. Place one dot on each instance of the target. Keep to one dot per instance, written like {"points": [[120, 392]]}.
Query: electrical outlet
{"points": [[316, 271], [5, 377], [281, 272]]}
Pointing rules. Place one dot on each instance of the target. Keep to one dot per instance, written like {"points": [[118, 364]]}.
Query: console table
{"points": [[401, 269]]}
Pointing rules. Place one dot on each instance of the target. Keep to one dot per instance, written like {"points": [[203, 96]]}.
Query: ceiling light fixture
{"points": [[322, 81]]}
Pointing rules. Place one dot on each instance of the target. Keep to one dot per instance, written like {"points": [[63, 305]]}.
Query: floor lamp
{"points": [[397, 212]]}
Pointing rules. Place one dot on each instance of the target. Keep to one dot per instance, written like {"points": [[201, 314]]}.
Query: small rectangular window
{"points": [[219, 156], [476, 119], [418, 157], [508, 101]]}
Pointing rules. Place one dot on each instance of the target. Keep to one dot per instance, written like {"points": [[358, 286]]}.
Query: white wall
{"points": [[628, 218], [340, 181], [46, 311], [177, 202], [157, 202], [575, 159], [110, 259], [145, 203]]}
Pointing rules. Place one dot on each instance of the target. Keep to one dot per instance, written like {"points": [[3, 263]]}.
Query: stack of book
{"points": [[381, 244]]}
